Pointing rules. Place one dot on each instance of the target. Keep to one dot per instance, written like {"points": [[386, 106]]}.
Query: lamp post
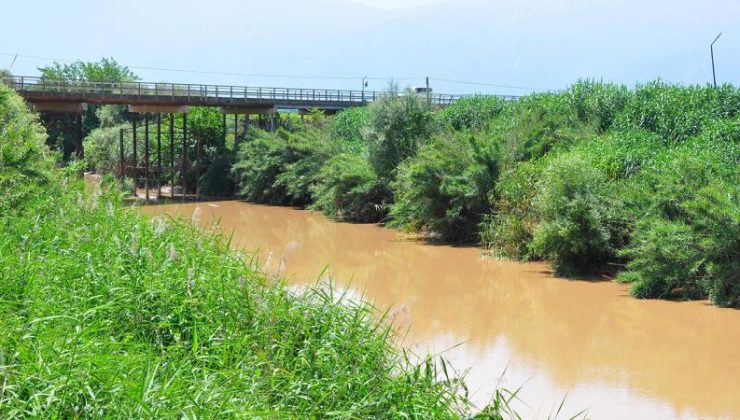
{"points": [[711, 49], [364, 85]]}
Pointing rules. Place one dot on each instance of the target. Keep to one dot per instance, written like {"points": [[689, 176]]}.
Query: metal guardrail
{"points": [[198, 93]]}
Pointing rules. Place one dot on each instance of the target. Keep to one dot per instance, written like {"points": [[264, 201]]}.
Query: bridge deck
{"points": [[37, 89]]}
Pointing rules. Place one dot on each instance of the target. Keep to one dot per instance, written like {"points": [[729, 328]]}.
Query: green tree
{"points": [[61, 128], [398, 125]]}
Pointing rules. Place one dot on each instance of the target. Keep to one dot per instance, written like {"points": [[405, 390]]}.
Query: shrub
{"points": [[445, 187], [474, 112], [259, 163], [282, 167], [598, 103], [308, 150], [398, 126], [579, 227], [540, 124], [688, 247], [25, 162], [217, 180], [677, 113], [508, 230], [349, 126], [349, 189], [103, 149]]}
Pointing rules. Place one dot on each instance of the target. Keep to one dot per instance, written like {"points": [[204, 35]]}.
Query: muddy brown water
{"points": [[505, 322]]}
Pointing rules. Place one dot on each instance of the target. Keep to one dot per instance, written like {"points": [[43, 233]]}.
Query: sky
{"points": [[464, 46]]}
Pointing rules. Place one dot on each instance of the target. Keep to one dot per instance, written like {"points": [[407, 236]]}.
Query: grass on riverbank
{"points": [[105, 313]]}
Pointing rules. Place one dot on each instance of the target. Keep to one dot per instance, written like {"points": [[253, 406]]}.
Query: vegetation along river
{"points": [[508, 323]]}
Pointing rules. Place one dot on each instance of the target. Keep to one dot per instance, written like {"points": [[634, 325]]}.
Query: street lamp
{"points": [[711, 48], [364, 85]]}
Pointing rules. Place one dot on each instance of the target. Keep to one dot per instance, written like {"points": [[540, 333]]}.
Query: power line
{"points": [[280, 76], [220, 73]]}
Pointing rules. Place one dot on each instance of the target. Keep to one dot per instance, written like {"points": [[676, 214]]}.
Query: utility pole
{"points": [[711, 49]]}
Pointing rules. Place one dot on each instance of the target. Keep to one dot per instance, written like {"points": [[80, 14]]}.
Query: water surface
{"points": [[587, 341]]}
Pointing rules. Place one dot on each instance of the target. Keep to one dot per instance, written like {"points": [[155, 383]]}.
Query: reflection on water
{"points": [[613, 355]]}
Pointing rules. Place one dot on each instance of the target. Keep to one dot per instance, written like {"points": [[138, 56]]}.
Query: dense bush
{"points": [[103, 149], [579, 226], [308, 150], [598, 103], [474, 112], [350, 126], [509, 229], [677, 113], [398, 125], [348, 188], [688, 246], [259, 163], [218, 179], [25, 161], [283, 167], [445, 187], [541, 124]]}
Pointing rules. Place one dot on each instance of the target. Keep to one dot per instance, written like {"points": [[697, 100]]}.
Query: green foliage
{"points": [[102, 149], [398, 125], [259, 162], [579, 227], [282, 167], [598, 103], [348, 188], [474, 112], [540, 124], [61, 128], [509, 229], [105, 70], [112, 115], [349, 126], [677, 113], [217, 180], [25, 163], [308, 150], [445, 187], [688, 247]]}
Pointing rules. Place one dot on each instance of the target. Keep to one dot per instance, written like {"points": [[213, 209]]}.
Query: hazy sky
{"points": [[525, 44]]}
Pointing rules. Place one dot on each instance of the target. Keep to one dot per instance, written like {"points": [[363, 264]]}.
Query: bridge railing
{"points": [[177, 92]]}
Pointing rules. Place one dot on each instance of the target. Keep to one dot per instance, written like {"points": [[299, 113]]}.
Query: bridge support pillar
{"points": [[159, 155], [146, 156], [172, 155], [78, 128]]}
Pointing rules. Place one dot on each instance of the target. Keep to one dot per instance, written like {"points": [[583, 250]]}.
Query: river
{"points": [[509, 323]]}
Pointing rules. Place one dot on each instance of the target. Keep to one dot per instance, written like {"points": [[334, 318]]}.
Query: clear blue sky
{"points": [[333, 43]]}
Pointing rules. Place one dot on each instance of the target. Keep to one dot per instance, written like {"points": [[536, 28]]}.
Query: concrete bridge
{"points": [[63, 95]]}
